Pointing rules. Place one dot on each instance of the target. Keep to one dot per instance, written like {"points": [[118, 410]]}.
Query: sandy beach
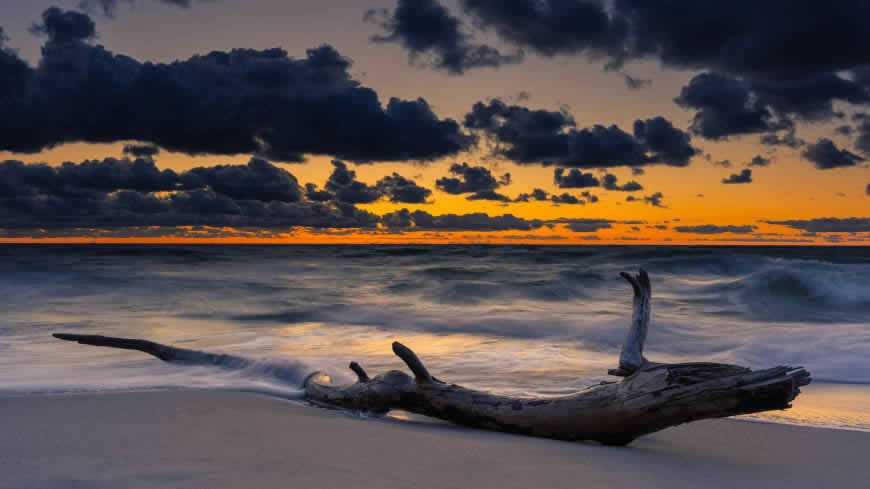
{"points": [[213, 439]]}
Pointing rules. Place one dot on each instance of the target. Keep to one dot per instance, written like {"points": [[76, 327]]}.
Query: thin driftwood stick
{"points": [[650, 397]]}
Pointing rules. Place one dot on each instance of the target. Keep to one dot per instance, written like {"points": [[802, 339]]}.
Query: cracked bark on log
{"points": [[651, 396]]}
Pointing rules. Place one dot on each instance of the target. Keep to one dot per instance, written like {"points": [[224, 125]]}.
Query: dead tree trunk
{"points": [[651, 396]]}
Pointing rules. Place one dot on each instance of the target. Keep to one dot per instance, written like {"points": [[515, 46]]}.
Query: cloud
{"points": [[633, 83], [547, 137], [844, 130], [759, 160], [258, 180], [654, 200], [585, 225], [109, 6], [724, 107], [788, 140], [589, 197], [751, 82], [399, 189], [868, 189], [729, 106], [744, 176], [566, 198], [537, 194], [637, 171], [244, 101], [471, 179], [421, 220], [92, 179], [141, 150], [828, 224], [551, 28], [488, 195], [741, 37], [609, 183], [862, 142], [825, 155], [313, 194], [124, 193], [346, 188], [713, 229], [574, 179], [435, 38], [65, 26]]}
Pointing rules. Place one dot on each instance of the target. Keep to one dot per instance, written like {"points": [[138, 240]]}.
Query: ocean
{"points": [[522, 320]]}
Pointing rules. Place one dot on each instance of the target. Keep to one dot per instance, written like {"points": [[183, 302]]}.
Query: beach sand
{"points": [[214, 440]]}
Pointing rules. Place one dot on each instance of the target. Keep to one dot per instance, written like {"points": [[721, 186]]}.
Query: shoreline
{"points": [[203, 438]]}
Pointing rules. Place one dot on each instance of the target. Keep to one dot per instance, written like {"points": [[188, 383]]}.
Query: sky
{"points": [[435, 121]]}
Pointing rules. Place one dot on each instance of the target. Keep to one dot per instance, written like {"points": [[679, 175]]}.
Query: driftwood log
{"points": [[651, 396]]}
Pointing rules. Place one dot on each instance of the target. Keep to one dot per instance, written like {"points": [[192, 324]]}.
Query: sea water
{"points": [[519, 320]]}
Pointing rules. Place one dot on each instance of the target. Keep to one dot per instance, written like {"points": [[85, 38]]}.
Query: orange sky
{"points": [[790, 188]]}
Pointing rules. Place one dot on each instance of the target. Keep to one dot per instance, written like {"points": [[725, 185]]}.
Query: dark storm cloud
{"points": [[435, 37], [585, 225], [825, 155], [637, 171], [141, 150], [589, 197], [537, 194], [744, 176], [123, 193], [828, 225], [258, 180], [551, 28], [759, 160], [243, 101], [91, 178], [724, 107], [753, 81], [728, 106], [399, 189], [550, 138], [489, 195], [65, 26], [421, 220], [346, 188], [609, 183], [574, 179], [665, 143], [472, 179], [742, 36], [566, 198], [314, 194], [713, 229]]}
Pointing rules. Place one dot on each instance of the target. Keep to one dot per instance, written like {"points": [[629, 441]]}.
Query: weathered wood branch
{"points": [[651, 396]]}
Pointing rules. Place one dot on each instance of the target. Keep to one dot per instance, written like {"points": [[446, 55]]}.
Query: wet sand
{"points": [[211, 439]]}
